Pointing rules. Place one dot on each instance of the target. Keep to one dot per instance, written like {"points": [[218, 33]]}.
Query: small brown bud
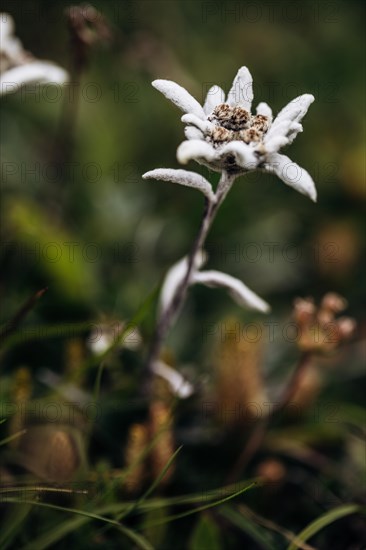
{"points": [[334, 302], [271, 470]]}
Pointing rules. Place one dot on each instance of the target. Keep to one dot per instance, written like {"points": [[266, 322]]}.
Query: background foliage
{"points": [[78, 218]]}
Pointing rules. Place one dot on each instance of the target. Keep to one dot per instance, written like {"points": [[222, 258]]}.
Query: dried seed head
{"points": [[221, 113], [260, 123], [250, 135], [235, 124], [221, 135], [239, 118], [231, 118]]}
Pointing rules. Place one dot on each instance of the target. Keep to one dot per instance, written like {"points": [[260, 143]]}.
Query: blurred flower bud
{"points": [[239, 384], [333, 302], [136, 444], [50, 452], [271, 470], [319, 329], [161, 429], [22, 385]]}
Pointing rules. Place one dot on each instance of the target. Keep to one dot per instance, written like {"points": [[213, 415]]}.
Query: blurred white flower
{"points": [[224, 135], [106, 335], [18, 67]]}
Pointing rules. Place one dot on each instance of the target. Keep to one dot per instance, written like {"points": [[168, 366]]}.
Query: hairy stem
{"points": [[166, 320]]}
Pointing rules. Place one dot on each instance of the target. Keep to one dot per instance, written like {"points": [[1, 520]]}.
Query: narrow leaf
{"points": [[183, 177], [236, 288], [325, 520]]}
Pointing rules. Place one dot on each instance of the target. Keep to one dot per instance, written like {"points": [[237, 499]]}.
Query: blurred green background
{"points": [[78, 218], [124, 127]]}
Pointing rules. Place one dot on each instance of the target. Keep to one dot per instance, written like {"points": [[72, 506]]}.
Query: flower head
{"points": [[18, 67], [320, 330], [225, 135]]}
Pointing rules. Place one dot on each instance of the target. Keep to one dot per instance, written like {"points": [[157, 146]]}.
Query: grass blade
{"points": [[12, 523], [205, 506], [261, 537], [11, 437], [327, 519], [153, 486], [63, 529]]}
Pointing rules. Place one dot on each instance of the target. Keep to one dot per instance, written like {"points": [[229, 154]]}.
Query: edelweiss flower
{"points": [[18, 67], [225, 135]]}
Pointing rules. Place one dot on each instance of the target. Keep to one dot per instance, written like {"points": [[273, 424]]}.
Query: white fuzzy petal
{"points": [[274, 144], [40, 72], [291, 174], [265, 110], [280, 129], [6, 26], [174, 279], [195, 149], [179, 385], [295, 129], [13, 49], [203, 125], [180, 97], [215, 96], [241, 93], [287, 128], [192, 132], [183, 177], [295, 110], [243, 153], [10, 45], [242, 295]]}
